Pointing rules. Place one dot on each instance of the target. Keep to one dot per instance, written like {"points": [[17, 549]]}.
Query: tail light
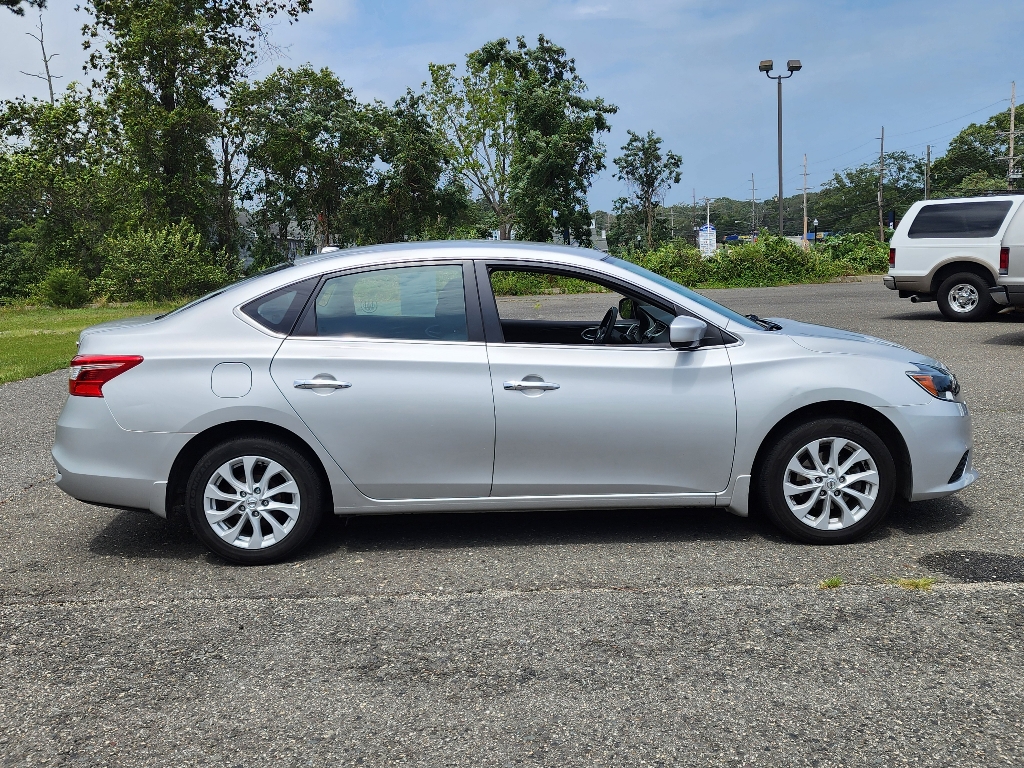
{"points": [[1004, 260], [892, 257], [90, 372]]}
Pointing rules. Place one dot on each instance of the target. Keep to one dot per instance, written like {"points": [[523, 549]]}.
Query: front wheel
{"points": [[254, 500], [965, 298], [828, 482]]}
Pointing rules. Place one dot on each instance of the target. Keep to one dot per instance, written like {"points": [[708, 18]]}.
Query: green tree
{"points": [[649, 174], [161, 63], [473, 115], [975, 160], [556, 145], [15, 6], [62, 186], [848, 202], [412, 194], [310, 149]]}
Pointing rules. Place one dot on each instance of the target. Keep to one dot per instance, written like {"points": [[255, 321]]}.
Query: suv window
{"points": [[416, 303], [980, 219]]}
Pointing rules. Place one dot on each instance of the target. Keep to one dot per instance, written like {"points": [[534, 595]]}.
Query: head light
{"points": [[936, 381]]}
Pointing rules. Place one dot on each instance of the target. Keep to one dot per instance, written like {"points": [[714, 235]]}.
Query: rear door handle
{"points": [[320, 384], [516, 386]]}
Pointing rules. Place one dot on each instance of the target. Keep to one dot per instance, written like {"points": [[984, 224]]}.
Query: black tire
{"points": [[774, 472], [310, 501], [970, 285]]}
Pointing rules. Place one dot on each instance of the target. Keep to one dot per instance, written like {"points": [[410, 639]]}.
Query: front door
{"points": [[387, 378], [632, 416]]}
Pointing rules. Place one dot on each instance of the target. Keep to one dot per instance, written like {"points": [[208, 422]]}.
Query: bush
{"points": [[770, 260], [64, 287], [161, 265], [19, 270]]}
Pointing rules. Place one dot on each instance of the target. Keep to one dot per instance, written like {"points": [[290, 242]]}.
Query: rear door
{"points": [[388, 369]]}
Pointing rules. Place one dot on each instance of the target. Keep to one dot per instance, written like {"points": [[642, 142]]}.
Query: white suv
{"points": [[966, 253]]}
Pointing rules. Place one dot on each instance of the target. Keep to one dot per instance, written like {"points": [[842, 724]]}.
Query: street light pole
{"points": [[793, 65]]}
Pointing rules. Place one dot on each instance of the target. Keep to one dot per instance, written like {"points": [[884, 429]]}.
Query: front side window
{"points": [[415, 303], [978, 219], [541, 307]]}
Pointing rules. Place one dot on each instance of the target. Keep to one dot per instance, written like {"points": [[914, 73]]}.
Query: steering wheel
{"points": [[604, 330]]}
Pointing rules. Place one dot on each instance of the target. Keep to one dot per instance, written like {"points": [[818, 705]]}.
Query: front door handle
{"points": [[320, 384], [518, 386]]}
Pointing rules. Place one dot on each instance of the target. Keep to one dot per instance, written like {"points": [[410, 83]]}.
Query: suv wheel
{"points": [[254, 500], [965, 297], [828, 482]]}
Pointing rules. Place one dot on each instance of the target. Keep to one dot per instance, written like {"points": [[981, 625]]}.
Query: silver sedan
{"points": [[468, 376]]}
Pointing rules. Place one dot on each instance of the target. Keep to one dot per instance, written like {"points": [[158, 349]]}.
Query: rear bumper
{"points": [[889, 282], [100, 463], [1008, 295]]}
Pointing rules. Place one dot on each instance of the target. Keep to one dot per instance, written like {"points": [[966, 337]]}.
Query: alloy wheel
{"points": [[963, 297], [251, 502], [830, 483]]}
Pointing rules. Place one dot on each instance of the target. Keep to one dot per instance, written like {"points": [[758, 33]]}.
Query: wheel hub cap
{"points": [[963, 297], [252, 502], [831, 483]]}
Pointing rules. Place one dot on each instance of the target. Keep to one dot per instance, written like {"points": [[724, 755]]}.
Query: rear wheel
{"points": [[254, 500], [965, 297], [828, 482]]}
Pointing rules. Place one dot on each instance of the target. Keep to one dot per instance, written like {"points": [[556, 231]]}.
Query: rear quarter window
{"points": [[975, 219], [278, 310]]}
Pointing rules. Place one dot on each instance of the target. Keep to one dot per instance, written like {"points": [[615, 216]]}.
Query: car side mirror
{"points": [[686, 332], [627, 310]]}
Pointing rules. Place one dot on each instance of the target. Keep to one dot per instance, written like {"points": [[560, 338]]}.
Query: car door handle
{"points": [[516, 386], [320, 384]]}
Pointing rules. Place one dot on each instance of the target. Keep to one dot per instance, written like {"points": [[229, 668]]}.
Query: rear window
{"points": [[980, 219]]}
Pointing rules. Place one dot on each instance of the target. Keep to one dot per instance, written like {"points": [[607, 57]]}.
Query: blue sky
{"points": [[686, 69]]}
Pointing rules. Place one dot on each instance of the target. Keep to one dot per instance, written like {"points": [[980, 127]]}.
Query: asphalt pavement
{"points": [[688, 637]]}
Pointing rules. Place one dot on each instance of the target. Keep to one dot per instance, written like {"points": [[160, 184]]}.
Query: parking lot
{"points": [[688, 637]]}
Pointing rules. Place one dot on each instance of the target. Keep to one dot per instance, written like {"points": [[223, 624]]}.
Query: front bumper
{"points": [[937, 434], [100, 463]]}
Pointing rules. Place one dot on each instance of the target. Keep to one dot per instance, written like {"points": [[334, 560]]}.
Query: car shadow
{"points": [[143, 536], [1003, 318], [931, 516], [1007, 340]]}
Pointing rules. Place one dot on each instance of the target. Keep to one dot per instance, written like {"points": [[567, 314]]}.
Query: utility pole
{"points": [[805, 202], [753, 209], [693, 218], [1013, 104], [927, 169], [881, 175], [1011, 172]]}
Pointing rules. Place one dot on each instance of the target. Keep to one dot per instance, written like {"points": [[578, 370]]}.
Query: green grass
{"points": [[923, 584], [37, 340], [832, 582]]}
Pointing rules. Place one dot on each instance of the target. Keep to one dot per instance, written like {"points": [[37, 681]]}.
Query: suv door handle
{"points": [[320, 384], [516, 386]]}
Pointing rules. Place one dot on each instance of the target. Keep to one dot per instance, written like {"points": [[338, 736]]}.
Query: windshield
{"points": [[229, 286], [675, 287]]}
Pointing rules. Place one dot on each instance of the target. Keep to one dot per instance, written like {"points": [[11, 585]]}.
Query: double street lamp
{"points": [[793, 65]]}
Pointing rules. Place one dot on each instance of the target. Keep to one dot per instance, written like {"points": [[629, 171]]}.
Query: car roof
{"points": [[431, 249]]}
